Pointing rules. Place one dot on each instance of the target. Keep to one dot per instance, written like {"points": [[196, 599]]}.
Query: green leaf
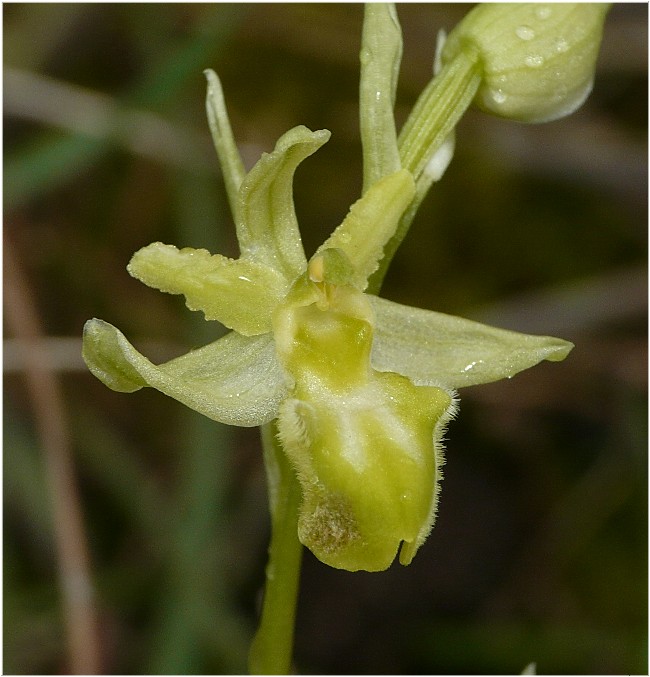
{"points": [[267, 229], [240, 294], [236, 380], [437, 349]]}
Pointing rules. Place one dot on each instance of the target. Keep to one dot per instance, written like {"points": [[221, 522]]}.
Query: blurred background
{"points": [[140, 514]]}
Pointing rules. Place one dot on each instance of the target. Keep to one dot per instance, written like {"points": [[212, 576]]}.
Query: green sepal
{"points": [[437, 349], [236, 380], [381, 53], [267, 229], [370, 224], [241, 294], [230, 160]]}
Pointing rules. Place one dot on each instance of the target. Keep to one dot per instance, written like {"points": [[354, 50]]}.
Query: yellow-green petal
{"points": [[236, 380], [437, 349], [240, 294], [371, 222]]}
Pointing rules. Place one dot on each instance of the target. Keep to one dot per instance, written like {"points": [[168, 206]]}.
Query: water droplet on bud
{"points": [[524, 32], [534, 60], [561, 45]]}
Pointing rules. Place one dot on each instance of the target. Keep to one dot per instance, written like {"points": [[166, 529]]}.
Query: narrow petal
{"points": [[436, 349], [371, 223], [236, 380], [240, 294], [268, 229]]}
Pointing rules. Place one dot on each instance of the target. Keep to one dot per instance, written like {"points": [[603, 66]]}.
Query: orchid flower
{"points": [[361, 388]]}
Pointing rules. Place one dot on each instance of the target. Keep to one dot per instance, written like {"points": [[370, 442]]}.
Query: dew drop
{"points": [[524, 32], [498, 96], [543, 12], [534, 60], [561, 45]]}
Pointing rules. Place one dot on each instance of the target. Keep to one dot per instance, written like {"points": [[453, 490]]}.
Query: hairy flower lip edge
{"points": [[343, 431], [408, 549]]}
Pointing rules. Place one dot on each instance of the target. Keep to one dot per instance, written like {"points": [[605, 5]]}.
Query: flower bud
{"points": [[538, 59]]}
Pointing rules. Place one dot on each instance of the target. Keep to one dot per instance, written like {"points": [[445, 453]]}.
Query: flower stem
{"points": [[433, 118], [272, 647], [437, 111]]}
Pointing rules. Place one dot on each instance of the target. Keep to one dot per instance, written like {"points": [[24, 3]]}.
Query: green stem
{"points": [[437, 111], [271, 652], [433, 118]]}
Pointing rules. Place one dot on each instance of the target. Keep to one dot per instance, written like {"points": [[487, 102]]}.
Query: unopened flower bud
{"points": [[538, 60]]}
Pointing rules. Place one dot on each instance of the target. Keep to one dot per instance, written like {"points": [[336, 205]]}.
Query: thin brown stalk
{"points": [[22, 320]]}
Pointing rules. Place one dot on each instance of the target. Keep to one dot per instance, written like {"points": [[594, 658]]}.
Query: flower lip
{"points": [[365, 445]]}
